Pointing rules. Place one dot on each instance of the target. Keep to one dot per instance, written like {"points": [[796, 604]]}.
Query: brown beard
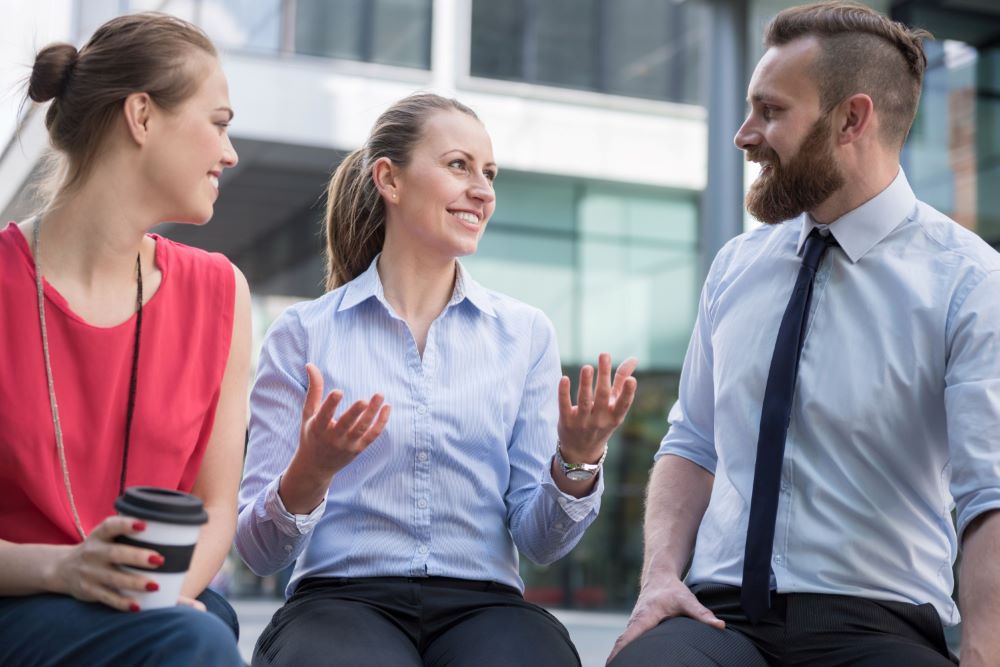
{"points": [[805, 182]]}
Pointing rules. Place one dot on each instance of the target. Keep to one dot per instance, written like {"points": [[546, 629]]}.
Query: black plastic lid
{"points": [[155, 504]]}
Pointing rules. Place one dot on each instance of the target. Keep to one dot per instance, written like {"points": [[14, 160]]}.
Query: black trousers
{"points": [[799, 629], [401, 621]]}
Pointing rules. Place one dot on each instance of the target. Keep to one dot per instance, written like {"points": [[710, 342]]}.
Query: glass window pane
{"points": [[639, 49], [534, 201], [654, 49], [243, 24], [496, 49], [638, 264], [402, 33], [535, 269], [639, 214], [330, 28], [564, 43]]}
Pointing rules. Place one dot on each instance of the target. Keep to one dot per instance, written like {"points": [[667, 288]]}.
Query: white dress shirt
{"points": [[896, 415]]}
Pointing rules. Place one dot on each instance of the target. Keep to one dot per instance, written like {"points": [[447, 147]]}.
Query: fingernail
{"points": [[134, 607], [138, 525], [156, 559], [152, 586]]}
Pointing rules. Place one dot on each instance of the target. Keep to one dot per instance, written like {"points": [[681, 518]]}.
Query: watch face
{"points": [[579, 475]]}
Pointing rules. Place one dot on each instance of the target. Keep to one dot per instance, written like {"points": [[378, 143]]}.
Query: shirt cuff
{"points": [[293, 525], [575, 508]]}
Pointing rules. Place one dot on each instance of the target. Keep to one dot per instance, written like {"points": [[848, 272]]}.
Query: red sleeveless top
{"points": [[186, 331]]}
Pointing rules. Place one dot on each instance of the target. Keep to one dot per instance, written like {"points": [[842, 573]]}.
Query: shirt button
{"points": [[560, 526], [288, 548], [777, 558], [421, 456], [422, 549], [421, 410], [784, 487], [422, 503]]}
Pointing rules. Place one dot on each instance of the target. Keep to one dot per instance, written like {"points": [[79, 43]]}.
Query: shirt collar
{"points": [[369, 285], [467, 288], [861, 229]]}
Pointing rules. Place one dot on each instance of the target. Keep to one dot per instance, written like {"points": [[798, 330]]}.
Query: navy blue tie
{"points": [[755, 596]]}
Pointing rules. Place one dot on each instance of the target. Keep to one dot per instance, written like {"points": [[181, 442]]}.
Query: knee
{"points": [[192, 637]]}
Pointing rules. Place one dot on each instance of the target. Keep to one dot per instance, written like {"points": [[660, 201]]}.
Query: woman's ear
{"points": [[385, 174], [137, 110]]}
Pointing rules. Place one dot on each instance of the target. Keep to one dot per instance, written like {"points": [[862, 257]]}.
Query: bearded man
{"points": [[840, 394]]}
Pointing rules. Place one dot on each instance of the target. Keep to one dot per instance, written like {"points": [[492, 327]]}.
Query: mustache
{"points": [[761, 154]]}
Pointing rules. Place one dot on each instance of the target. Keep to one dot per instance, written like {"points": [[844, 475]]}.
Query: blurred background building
{"points": [[612, 121]]}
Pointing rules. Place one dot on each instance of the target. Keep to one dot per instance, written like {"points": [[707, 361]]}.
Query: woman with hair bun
{"points": [[405, 529], [125, 356]]}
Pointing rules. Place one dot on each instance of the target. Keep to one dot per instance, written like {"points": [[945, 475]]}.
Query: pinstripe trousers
{"points": [[817, 630]]}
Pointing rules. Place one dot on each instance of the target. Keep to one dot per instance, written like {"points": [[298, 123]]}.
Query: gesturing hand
{"points": [[89, 571], [585, 428], [331, 444]]}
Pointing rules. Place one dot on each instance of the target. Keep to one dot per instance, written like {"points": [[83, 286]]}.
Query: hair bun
{"points": [[51, 73]]}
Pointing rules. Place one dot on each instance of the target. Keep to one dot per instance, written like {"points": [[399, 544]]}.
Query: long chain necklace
{"points": [[133, 381]]}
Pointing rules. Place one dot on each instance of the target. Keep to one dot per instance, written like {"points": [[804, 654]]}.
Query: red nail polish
{"points": [[138, 525], [156, 559], [134, 607], [152, 586]]}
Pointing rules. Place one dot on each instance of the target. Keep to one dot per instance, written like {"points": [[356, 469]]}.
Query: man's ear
{"points": [[137, 109], [856, 117], [384, 173]]}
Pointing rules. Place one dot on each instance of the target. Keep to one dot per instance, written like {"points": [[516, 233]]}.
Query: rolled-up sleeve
{"points": [[544, 522], [268, 537], [972, 400]]}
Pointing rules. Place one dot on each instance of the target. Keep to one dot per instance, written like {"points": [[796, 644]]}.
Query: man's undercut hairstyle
{"points": [[860, 51]]}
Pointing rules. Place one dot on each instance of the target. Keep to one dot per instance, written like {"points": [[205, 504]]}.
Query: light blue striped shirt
{"points": [[896, 410], [461, 473]]}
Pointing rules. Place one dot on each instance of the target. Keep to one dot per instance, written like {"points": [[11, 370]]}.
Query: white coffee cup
{"points": [[173, 521]]}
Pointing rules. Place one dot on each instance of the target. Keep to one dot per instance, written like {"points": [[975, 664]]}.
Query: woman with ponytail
{"points": [[405, 527], [125, 356]]}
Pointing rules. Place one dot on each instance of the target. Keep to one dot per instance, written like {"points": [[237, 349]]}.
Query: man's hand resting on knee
{"points": [[662, 598]]}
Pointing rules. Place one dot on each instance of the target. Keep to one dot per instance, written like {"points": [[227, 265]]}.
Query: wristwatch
{"points": [[580, 472]]}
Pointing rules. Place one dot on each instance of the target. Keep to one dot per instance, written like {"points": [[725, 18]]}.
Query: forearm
{"points": [[268, 539], [678, 495], [28, 569], [549, 524], [210, 553], [979, 591]]}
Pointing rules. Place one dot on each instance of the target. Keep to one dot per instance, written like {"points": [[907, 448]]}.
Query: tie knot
{"points": [[816, 246]]}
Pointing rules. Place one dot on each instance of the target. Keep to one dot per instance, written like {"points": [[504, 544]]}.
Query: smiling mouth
{"points": [[465, 216]]}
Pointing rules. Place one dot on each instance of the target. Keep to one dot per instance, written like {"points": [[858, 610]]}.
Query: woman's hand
{"points": [[327, 445], [585, 429], [89, 571]]}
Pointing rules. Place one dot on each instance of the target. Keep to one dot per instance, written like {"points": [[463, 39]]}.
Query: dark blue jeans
{"points": [[46, 630]]}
